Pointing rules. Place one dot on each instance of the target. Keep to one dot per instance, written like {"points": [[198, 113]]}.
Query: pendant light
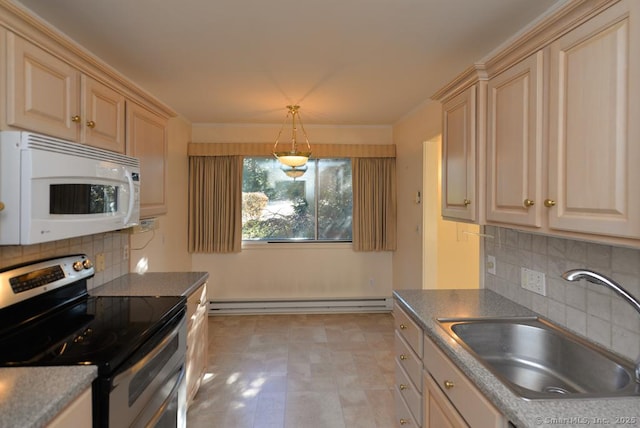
{"points": [[294, 172], [293, 158]]}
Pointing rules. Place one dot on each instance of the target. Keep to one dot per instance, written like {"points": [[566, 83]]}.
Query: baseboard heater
{"points": [[226, 307]]}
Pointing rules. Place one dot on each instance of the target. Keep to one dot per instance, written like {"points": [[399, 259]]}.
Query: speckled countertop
{"points": [[153, 284], [424, 306], [33, 396]]}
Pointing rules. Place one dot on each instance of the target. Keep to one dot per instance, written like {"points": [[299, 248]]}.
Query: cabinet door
{"points": [[103, 116], [514, 144], [197, 337], [147, 140], [77, 414], [459, 156], [438, 410], [469, 402], [594, 126], [42, 91]]}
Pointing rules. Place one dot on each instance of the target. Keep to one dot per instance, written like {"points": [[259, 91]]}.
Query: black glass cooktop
{"points": [[101, 331]]}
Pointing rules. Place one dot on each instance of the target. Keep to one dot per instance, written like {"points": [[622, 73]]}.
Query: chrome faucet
{"points": [[597, 278]]}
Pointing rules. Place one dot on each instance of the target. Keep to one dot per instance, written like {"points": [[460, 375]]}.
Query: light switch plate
{"points": [[533, 281]]}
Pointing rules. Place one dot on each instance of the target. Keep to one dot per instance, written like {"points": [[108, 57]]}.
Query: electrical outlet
{"points": [[100, 263], [125, 252], [491, 265], [533, 281]]}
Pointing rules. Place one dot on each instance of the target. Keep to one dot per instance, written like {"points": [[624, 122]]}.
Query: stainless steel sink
{"points": [[538, 360]]}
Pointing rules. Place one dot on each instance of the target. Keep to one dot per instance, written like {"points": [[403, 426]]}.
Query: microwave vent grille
{"points": [[41, 142]]}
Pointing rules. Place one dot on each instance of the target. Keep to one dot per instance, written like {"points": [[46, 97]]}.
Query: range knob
{"points": [[82, 264]]}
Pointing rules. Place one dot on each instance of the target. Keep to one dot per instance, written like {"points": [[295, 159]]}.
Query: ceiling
{"points": [[347, 62]]}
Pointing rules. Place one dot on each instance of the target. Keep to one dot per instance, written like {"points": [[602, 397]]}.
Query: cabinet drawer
{"points": [[409, 361], [404, 418], [409, 330], [470, 402], [412, 397]]}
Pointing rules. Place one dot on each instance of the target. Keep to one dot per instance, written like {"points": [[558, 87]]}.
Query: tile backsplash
{"points": [[591, 310], [110, 244]]}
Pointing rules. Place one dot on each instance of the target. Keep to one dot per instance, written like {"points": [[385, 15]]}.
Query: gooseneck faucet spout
{"points": [[598, 278]]}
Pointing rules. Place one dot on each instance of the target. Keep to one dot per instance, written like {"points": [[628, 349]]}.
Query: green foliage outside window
{"points": [[314, 207]]}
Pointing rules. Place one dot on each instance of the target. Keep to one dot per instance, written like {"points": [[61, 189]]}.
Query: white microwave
{"points": [[52, 189]]}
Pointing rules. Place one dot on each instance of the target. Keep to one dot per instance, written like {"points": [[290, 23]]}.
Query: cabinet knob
{"points": [[403, 421], [466, 202], [1, 206], [528, 203], [91, 124], [403, 357], [549, 203], [403, 387], [448, 384], [75, 119], [403, 327]]}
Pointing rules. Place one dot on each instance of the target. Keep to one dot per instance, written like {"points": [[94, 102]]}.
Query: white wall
{"points": [[296, 271], [409, 133], [447, 257], [284, 271]]}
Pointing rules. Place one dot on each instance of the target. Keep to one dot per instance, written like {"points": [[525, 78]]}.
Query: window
{"points": [[316, 206]]}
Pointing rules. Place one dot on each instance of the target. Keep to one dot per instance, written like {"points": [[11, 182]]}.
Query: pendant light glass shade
{"points": [[294, 171], [294, 157]]}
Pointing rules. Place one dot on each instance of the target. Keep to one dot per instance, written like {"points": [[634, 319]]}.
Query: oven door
{"points": [[150, 390]]}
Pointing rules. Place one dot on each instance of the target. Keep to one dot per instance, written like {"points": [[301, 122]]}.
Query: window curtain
{"points": [[215, 204], [374, 204]]}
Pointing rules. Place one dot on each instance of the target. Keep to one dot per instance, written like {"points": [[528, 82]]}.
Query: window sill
{"points": [[265, 245]]}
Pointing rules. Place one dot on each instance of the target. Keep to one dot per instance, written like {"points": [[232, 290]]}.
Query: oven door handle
{"points": [[150, 356], [156, 417]]}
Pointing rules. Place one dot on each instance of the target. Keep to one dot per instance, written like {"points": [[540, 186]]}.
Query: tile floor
{"points": [[297, 371]]}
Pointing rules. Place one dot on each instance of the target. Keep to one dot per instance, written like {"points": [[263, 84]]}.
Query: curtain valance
{"points": [[318, 150]]}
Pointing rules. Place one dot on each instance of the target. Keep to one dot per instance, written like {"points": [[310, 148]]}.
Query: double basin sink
{"points": [[538, 360]]}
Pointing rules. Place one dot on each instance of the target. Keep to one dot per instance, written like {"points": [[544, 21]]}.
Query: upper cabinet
{"points": [[147, 140], [42, 90], [514, 143], [562, 136], [47, 95], [594, 130], [459, 156], [53, 86], [462, 140], [104, 116]]}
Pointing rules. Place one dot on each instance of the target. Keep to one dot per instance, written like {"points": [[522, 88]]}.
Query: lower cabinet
{"points": [[430, 391], [197, 336], [438, 410], [450, 399], [77, 414], [408, 359], [404, 416]]}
